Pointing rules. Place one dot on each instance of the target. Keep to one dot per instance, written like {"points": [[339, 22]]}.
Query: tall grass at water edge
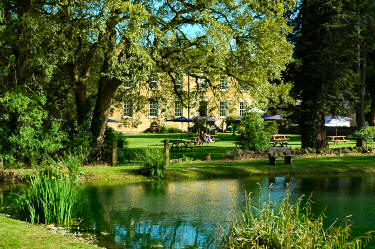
{"points": [[285, 226], [47, 200]]}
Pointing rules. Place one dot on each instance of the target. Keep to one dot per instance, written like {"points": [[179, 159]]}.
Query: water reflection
{"points": [[187, 214]]}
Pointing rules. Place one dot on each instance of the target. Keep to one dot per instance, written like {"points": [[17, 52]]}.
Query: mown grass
{"points": [[19, 234], [234, 169], [224, 144]]}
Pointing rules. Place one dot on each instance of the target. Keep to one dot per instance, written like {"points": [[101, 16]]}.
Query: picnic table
{"points": [[181, 145], [279, 139], [337, 139]]}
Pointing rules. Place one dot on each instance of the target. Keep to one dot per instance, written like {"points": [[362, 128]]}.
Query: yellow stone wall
{"points": [[166, 96]]}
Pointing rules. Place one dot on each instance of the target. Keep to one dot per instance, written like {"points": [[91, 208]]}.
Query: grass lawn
{"points": [[234, 169], [19, 234], [224, 144]]}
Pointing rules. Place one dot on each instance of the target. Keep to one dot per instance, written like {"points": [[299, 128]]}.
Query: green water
{"points": [[192, 214]]}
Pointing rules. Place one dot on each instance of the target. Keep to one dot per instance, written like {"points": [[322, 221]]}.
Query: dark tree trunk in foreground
{"points": [[106, 90]]}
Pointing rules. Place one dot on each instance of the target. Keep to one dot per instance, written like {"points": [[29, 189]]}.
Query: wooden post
{"points": [[114, 153], [166, 150]]}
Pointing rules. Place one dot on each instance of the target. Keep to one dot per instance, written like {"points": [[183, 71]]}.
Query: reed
{"points": [[286, 225], [47, 200]]}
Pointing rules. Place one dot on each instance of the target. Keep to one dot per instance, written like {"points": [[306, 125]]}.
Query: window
{"points": [[128, 84], [223, 109], [202, 84], [178, 108], [224, 81], [180, 83], [202, 108], [243, 106], [153, 109], [127, 109], [154, 82]]}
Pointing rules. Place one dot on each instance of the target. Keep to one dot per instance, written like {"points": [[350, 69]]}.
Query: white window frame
{"points": [[178, 108], [223, 103], [242, 109], [129, 106], [223, 83], [202, 84], [153, 107]]}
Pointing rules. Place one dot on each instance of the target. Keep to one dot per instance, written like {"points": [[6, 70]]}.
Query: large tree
{"points": [[87, 48], [324, 77]]}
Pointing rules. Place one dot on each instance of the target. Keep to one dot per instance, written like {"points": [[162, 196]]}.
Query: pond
{"points": [[192, 214]]}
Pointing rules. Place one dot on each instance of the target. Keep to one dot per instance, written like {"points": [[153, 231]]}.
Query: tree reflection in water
{"points": [[187, 214]]}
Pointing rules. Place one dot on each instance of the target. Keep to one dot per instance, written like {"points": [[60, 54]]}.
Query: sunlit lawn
{"points": [[224, 144]]}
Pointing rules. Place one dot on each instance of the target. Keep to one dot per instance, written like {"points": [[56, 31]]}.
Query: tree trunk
{"points": [[320, 137], [360, 109], [106, 90]]}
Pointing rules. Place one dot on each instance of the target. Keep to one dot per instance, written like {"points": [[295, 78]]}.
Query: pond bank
{"points": [[348, 164], [19, 234], [235, 169]]}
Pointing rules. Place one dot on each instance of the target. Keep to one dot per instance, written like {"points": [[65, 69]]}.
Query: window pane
{"points": [[178, 108], [223, 108], [153, 108], [128, 109], [243, 106], [224, 83]]}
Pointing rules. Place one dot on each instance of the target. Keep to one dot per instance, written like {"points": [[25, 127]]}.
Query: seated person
{"points": [[206, 138]]}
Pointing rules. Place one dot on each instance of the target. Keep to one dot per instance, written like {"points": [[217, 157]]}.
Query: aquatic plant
{"points": [[47, 199], [286, 225], [153, 162]]}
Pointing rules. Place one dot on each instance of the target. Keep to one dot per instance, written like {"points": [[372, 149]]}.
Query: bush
{"points": [[287, 225], [122, 146], [48, 199], [253, 133], [153, 162], [27, 136]]}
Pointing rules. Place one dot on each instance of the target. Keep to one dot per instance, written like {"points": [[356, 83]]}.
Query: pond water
{"points": [[192, 214]]}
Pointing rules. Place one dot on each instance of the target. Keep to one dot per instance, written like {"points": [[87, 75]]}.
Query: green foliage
{"points": [[110, 137], [153, 162], [366, 135], [253, 133], [79, 144], [47, 199], [26, 134], [166, 129], [286, 225]]}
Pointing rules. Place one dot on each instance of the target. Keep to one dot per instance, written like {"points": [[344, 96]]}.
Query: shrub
{"points": [[287, 225], [47, 200], [153, 162], [122, 145], [253, 133], [27, 136]]}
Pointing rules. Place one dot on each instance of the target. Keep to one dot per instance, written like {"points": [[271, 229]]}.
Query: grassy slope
{"points": [[18, 234], [215, 169]]}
